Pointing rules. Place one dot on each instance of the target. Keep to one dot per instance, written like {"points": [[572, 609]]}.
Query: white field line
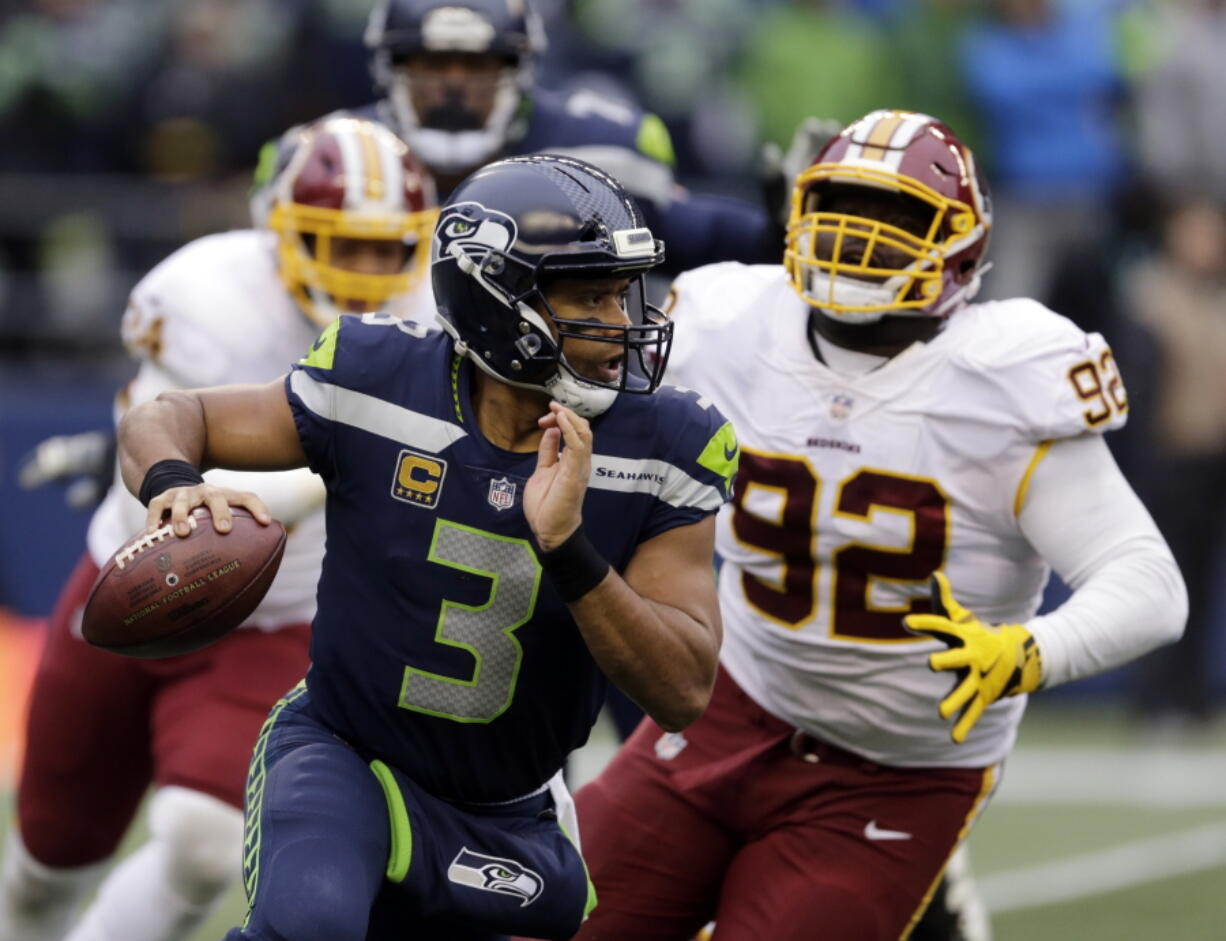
{"points": [[1107, 870], [1147, 777]]}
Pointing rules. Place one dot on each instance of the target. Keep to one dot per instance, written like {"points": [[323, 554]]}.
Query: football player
{"points": [[456, 81], [516, 510], [347, 233], [914, 467]]}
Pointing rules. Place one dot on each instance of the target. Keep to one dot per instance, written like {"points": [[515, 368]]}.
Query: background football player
{"points": [[457, 82], [347, 232], [914, 467], [514, 514]]}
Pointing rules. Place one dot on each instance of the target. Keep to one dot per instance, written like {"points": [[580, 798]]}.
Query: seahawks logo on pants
{"points": [[493, 874]]}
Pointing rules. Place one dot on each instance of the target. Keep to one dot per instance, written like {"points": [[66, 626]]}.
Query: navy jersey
{"points": [[439, 645]]}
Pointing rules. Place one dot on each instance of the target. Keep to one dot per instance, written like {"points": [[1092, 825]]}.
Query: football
{"points": [[162, 595]]}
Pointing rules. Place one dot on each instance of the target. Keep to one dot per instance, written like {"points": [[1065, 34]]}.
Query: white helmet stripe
{"points": [[393, 170], [351, 159], [888, 135]]}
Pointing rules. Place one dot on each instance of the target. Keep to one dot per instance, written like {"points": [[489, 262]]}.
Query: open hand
{"points": [[180, 501], [553, 496]]}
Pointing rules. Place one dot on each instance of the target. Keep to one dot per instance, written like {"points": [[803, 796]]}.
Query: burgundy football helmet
{"points": [[856, 266], [349, 178]]}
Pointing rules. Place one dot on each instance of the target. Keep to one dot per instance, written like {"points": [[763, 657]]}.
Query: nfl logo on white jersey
{"points": [[840, 406], [502, 494]]}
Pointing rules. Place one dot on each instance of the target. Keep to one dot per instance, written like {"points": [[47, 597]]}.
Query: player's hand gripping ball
{"points": [[162, 595]]}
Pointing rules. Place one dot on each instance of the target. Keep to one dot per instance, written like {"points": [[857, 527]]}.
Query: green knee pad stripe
{"points": [[401, 852]]}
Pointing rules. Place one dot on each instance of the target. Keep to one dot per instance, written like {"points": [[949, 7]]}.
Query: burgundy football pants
{"points": [[770, 833], [102, 727]]}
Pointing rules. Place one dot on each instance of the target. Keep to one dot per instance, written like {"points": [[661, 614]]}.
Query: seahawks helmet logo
{"points": [[494, 874], [469, 228]]}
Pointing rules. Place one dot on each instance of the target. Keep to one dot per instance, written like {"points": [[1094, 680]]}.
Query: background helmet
{"points": [[830, 255], [348, 178], [503, 233], [453, 140]]}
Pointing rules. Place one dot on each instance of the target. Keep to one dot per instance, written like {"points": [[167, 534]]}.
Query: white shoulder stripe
{"points": [[359, 410], [669, 484]]}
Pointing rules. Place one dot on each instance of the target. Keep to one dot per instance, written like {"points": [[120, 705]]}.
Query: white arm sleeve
{"points": [[1084, 519], [289, 495]]}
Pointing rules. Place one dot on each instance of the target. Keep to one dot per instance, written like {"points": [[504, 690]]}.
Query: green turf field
{"points": [[1095, 835]]}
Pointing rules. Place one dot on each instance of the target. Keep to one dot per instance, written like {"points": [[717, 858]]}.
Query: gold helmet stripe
{"points": [[881, 134], [372, 166]]}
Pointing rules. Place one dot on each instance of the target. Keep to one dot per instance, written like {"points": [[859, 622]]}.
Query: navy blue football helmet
{"points": [[510, 227], [454, 122]]}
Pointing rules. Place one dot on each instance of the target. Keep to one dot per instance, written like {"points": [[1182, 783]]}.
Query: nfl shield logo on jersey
{"points": [[670, 745], [502, 494], [840, 406]]}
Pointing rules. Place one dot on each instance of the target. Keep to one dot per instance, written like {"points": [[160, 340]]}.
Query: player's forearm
{"points": [[1128, 596], [661, 657], [1130, 605], [171, 427]]}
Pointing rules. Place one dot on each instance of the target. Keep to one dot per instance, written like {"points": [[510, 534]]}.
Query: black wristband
{"points": [[575, 567], [166, 474]]}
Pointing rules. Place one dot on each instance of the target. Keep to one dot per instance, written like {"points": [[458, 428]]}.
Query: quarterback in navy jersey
{"points": [[516, 510], [456, 79]]}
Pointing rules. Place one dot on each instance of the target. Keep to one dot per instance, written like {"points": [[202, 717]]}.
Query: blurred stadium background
{"points": [[128, 127]]}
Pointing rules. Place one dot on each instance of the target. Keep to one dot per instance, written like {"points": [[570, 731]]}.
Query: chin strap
{"points": [[584, 399]]}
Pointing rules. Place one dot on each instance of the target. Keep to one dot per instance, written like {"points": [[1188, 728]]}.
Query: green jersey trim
{"points": [[323, 353], [722, 455]]}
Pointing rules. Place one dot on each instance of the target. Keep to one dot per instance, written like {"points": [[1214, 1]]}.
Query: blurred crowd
{"points": [[131, 126]]}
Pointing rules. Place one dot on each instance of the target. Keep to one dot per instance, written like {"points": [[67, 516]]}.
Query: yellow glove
{"points": [[991, 661]]}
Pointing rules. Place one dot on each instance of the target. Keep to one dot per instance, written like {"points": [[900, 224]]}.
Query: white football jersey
{"points": [[215, 312], [852, 491]]}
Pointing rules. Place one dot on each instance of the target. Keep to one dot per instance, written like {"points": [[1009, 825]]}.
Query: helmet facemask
{"points": [[454, 74], [914, 246], [452, 136], [857, 267], [306, 251], [637, 351], [521, 340], [352, 211]]}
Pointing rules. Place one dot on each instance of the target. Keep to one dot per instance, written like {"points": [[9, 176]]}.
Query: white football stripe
{"points": [[376, 416], [668, 483]]}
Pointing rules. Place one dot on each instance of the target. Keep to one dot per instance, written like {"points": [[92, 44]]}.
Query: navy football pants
{"points": [[341, 849]]}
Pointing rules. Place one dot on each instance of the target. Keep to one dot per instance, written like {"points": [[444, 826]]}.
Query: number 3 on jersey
{"points": [[791, 537], [487, 631]]}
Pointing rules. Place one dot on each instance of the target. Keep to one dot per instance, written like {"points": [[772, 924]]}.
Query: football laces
{"points": [[147, 541]]}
